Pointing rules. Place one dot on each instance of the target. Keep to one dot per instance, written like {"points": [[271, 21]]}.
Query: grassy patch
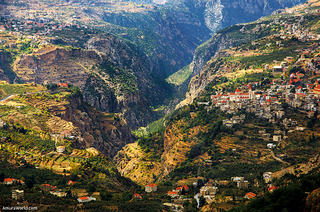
{"points": [[180, 76]]}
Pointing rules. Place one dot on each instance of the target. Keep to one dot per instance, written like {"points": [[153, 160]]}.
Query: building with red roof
{"points": [[151, 188], [62, 85], [272, 188], [70, 182], [47, 187], [250, 195], [173, 194], [9, 181], [86, 199], [137, 196]]}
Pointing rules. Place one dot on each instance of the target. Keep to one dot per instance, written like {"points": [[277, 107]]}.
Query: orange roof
{"points": [[136, 195], [250, 88], [9, 179], [83, 198], [178, 188], [152, 185], [172, 192], [237, 90], [46, 184], [250, 195], [71, 182], [63, 84], [272, 188]]}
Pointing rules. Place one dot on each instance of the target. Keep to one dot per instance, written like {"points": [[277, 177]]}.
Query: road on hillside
{"points": [[276, 158]]}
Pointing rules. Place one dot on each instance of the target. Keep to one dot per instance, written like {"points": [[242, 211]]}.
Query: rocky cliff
{"points": [[112, 76]]}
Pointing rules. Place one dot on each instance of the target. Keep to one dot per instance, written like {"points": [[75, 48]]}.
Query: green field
{"points": [[180, 76]]}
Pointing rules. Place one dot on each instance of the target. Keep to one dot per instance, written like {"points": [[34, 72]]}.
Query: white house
{"points": [[271, 145], [86, 199]]}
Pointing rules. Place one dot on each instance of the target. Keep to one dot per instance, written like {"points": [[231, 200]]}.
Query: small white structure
{"points": [[86, 199], [18, 194], [277, 138], [236, 179], [271, 145], [61, 149]]}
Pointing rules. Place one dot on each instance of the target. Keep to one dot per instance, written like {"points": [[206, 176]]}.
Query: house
{"points": [[9, 181], [18, 194], [271, 145], [86, 199], [243, 184], [173, 194], [47, 187], [151, 188], [61, 149], [138, 196], [250, 195], [208, 190], [272, 188], [267, 176], [236, 179], [277, 69], [62, 85], [58, 193], [277, 138], [70, 182]]}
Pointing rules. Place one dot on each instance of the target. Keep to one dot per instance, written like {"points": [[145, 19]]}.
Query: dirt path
{"points": [[278, 159]]}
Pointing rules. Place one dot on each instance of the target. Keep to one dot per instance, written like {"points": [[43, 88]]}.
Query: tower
{"points": [[250, 92]]}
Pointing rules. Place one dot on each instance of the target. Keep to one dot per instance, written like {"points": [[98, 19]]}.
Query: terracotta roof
{"points": [[136, 195], [63, 84], [272, 188], [9, 179], [250, 195], [46, 184], [172, 192], [83, 198], [237, 90], [152, 185]]}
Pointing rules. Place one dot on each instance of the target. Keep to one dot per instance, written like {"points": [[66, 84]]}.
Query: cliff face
{"points": [[107, 134], [219, 14], [163, 34], [112, 76]]}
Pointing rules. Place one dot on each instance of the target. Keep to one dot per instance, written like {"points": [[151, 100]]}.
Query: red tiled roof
{"points": [[172, 192], [63, 84], [46, 184], [136, 195], [237, 90], [250, 195], [83, 198], [152, 185], [71, 182], [272, 188], [9, 179]]}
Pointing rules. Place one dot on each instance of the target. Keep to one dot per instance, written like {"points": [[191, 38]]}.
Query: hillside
{"points": [[252, 108], [113, 76], [160, 31]]}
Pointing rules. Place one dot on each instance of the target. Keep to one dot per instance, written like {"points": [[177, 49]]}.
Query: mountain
{"points": [[113, 75], [217, 136], [234, 12], [161, 31]]}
